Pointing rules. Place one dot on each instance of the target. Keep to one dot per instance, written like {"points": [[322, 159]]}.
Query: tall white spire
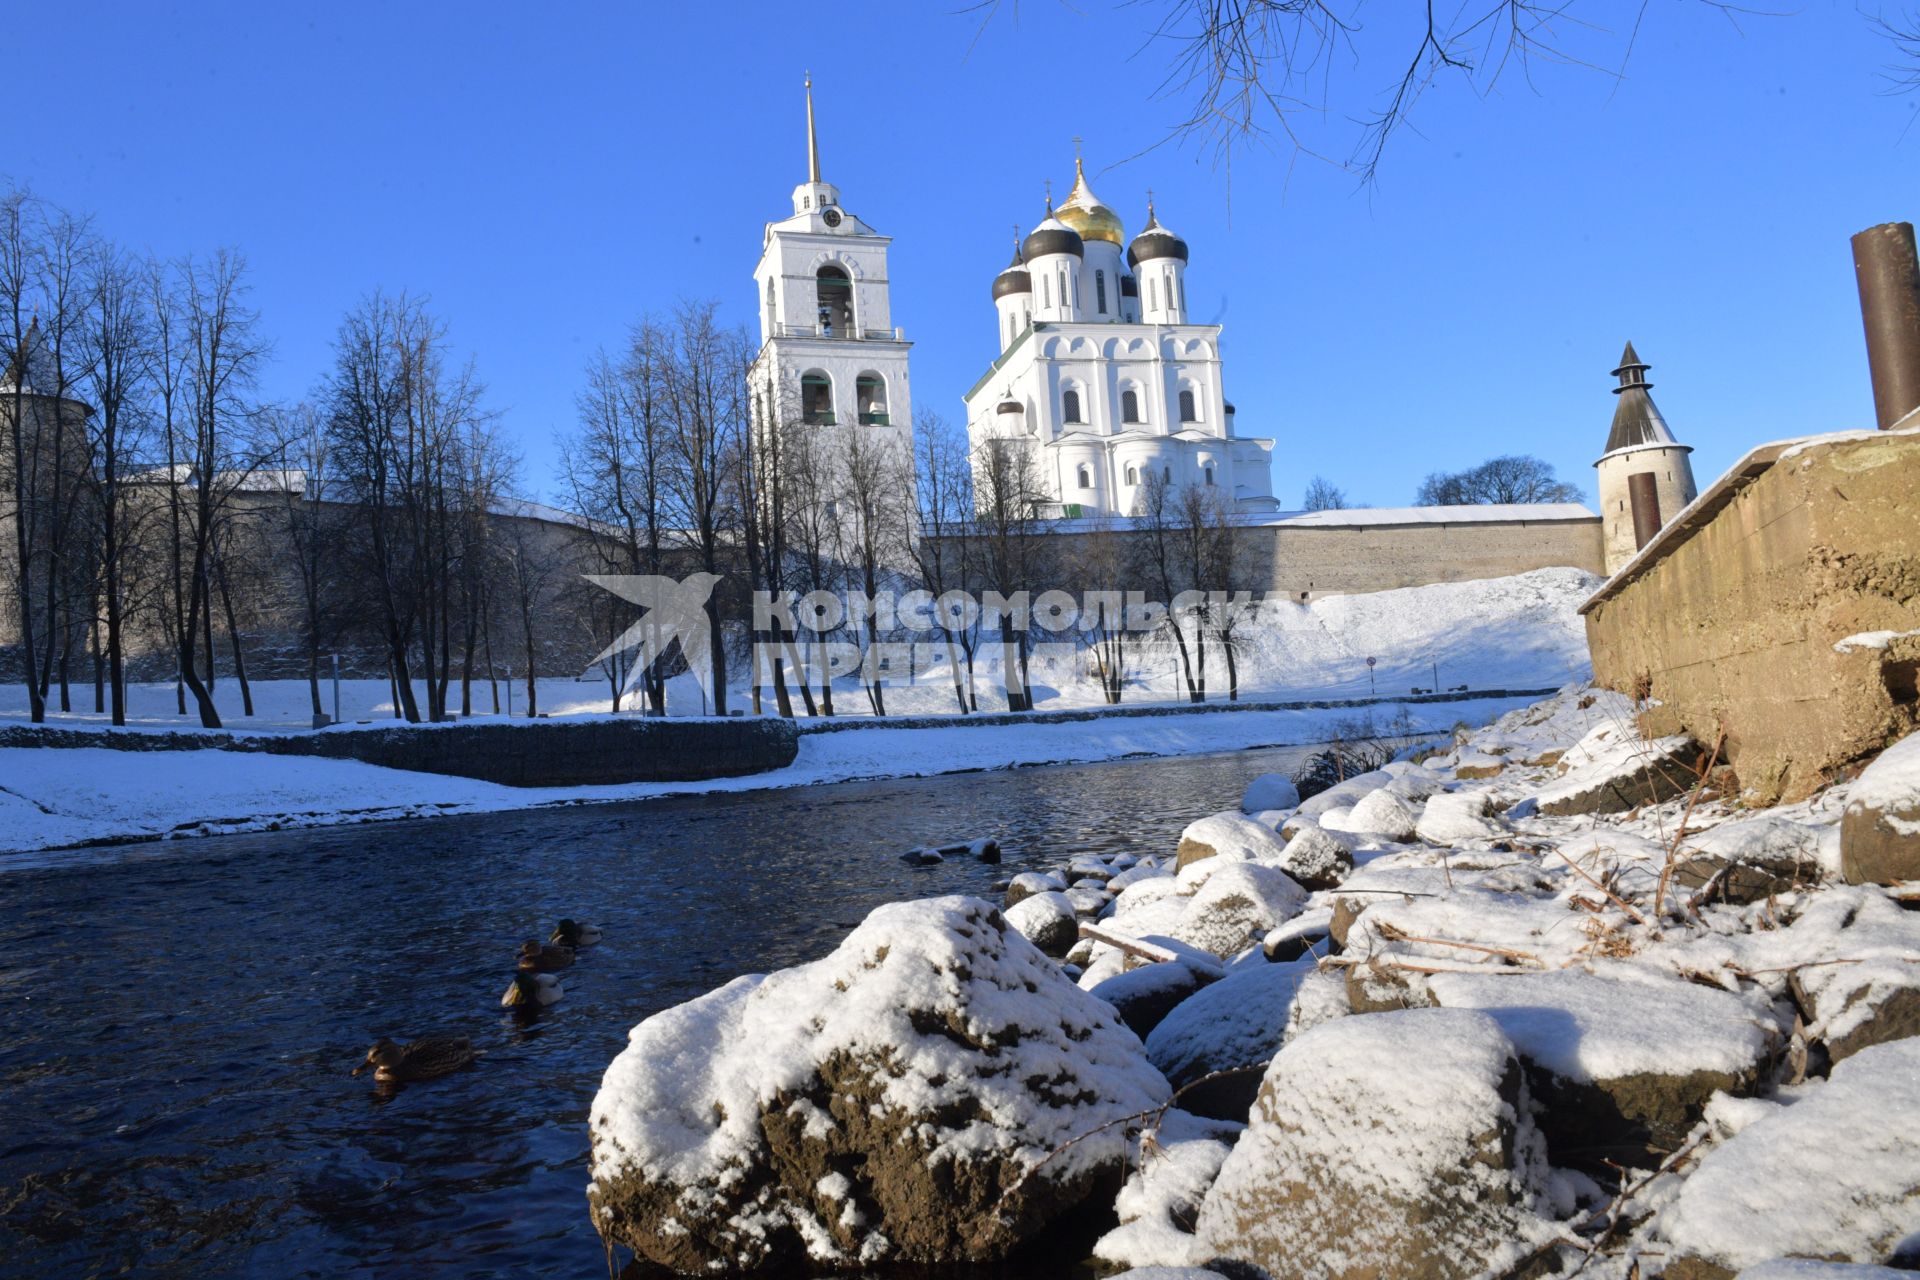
{"points": [[813, 140]]}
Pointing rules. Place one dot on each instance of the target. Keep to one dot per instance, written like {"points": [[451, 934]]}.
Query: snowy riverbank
{"points": [[1552, 999], [56, 798]]}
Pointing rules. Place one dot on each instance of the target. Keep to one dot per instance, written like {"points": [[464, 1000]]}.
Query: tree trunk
{"points": [[233, 640]]}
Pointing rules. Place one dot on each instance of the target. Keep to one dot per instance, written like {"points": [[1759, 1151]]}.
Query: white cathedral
{"points": [[1103, 375]]}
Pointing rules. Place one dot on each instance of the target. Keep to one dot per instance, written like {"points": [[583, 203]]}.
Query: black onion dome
{"points": [[1155, 241], [1014, 279], [1053, 236]]}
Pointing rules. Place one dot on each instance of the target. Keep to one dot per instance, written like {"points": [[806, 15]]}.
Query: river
{"points": [[184, 1016]]}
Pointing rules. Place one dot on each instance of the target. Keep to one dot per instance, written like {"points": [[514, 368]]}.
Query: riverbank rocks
{"points": [[1835, 1175], [1317, 858], [1455, 818], [1391, 1146], [1880, 830], [1231, 834], [1144, 996], [1270, 791], [1236, 907], [1028, 883], [1236, 1025], [1748, 859], [909, 1098], [1622, 1063], [1854, 960], [1381, 813], [1050, 921], [1613, 769]]}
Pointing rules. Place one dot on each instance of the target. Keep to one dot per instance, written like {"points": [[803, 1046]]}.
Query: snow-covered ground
{"points": [[54, 797], [1519, 632]]}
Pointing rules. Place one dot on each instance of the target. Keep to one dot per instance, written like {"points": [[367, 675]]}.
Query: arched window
{"points": [[771, 317], [1086, 480], [1133, 474], [836, 302], [816, 398], [1129, 405], [1183, 295], [1046, 291], [1153, 295], [1070, 405], [1076, 289], [1209, 473], [1166, 474], [1186, 406], [1100, 290], [870, 396]]}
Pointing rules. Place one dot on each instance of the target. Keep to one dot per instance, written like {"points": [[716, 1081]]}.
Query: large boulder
{"points": [[1157, 1205], [1342, 795], [1854, 957], [1394, 1146], [1270, 791], [1749, 859], [1236, 1025], [1317, 858], [1145, 995], [1880, 830], [1384, 814], [1622, 1063], [1836, 1176], [1458, 817], [1028, 883], [1232, 834], [1050, 921], [1236, 907], [913, 1097], [1613, 769]]}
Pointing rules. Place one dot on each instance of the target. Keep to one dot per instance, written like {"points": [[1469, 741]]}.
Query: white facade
{"points": [[1640, 443], [830, 356], [1102, 374]]}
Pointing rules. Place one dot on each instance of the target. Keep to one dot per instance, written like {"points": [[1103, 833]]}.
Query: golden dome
{"points": [[1085, 214]]}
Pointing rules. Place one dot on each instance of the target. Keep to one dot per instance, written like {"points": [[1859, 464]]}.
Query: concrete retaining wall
{"points": [[538, 753], [1734, 615]]}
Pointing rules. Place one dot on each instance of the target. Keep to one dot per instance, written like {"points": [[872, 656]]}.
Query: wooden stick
{"points": [[1148, 951], [1392, 934], [1614, 898]]}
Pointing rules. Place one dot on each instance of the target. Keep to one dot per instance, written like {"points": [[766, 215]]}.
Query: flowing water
{"points": [[182, 1018]]}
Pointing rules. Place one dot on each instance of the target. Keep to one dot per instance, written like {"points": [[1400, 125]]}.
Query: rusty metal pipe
{"points": [[1643, 496], [1888, 270]]}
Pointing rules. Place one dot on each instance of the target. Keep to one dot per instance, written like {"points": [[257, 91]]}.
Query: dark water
{"points": [[174, 1060]]}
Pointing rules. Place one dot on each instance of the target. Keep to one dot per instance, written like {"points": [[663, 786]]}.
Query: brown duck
{"points": [[535, 958], [424, 1059]]}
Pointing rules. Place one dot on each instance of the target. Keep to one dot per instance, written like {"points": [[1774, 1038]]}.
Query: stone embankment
{"points": [[1419, 1026]]}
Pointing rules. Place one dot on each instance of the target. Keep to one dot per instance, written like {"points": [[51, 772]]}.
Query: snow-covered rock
{"points": [[1236, 1025], [1317, 858], [1836, 1175], [1619, 1057], [1880, 833], [1809, 1269], [1859, 983], [1028, 883], [1455, 818], [908, 1098], [1145, 995], [1156, 1206], [1342, 795], [1382, 813], [1749, 859], [1047, 920], [1393, 1146], [1230, 835], [1469, 764], [1270, 791], [1613, 769], [1236, 906]]}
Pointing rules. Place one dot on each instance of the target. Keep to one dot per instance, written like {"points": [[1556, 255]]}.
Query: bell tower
{"points": [[1644, 476], [830, 356]]}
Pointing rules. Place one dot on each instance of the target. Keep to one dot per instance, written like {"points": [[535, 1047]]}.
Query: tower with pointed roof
{"points": [[831, 359], [1102, 374], [1644, 475]]}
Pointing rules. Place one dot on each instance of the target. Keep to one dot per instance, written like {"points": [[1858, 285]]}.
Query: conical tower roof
{"points": [[1636, 419]]}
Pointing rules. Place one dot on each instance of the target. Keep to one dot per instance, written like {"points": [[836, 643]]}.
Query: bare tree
{"points": [[945, 546], [1008, 497], [869, 535], [1508, 479], [1323, 495], [1165, 561]]}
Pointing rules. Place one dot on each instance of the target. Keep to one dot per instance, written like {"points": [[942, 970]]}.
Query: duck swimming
{"points": [[531, 990], [535, 958], [570, 934], [423, 1059]]}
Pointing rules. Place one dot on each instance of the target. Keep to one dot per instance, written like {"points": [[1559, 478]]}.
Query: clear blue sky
{"points": [[548, 173]]}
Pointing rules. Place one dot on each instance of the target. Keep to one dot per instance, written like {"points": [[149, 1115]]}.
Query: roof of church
{"points": [[1052, 236], [1636, 419], [1084, 212], [1155, 241], [1013, 278]]}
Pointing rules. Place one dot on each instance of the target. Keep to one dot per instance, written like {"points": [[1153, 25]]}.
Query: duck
{"points": [[570, 934], [535, 958], [532, 990], [423, 1059]]}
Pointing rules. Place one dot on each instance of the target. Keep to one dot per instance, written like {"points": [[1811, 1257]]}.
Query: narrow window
{"points": [[1133, 476], [1086, 481], [1166, 474], [1209, 474], [1100, 290], [1129, 406], [1183, 295], [1070, 405], [1186, 407], [1046, 291], [1153, 294]]}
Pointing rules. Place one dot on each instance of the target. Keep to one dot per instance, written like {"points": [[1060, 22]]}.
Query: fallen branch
{"points": [[1393, 934], [1693, 798], [1152, 953], [1616, 899]]}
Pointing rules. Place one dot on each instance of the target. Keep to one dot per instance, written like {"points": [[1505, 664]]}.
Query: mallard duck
{"points": [[531, 990], [538, 959], [422, 1059], [570, 934]]}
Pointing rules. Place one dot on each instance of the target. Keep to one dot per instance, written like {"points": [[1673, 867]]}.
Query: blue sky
{"points": [[548, 173]]}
